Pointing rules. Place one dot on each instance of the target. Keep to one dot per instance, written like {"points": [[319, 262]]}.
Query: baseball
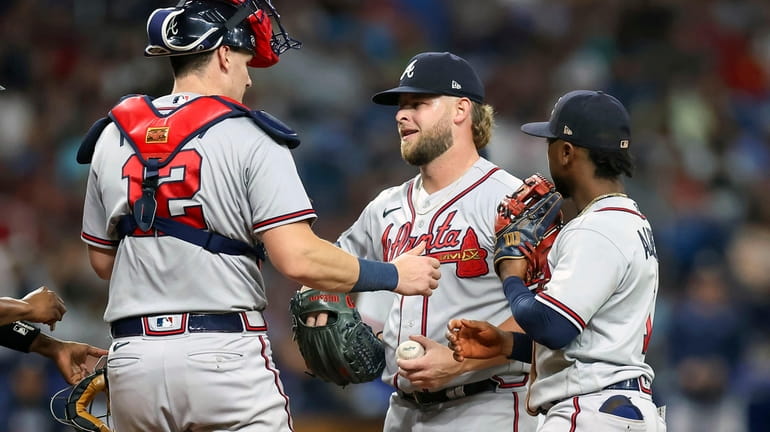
{"points": [[409, 350]]}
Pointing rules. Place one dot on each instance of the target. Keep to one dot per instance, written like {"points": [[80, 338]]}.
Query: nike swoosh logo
{"points": [[119, 345], [386, 212]]}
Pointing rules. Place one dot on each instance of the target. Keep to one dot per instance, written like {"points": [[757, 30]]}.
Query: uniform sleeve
{"points": [[357, 240], [94, 229], [588, 270], [276, 193]]}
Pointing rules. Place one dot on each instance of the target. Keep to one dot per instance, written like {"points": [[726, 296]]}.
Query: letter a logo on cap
{"points": [[409, 71]]}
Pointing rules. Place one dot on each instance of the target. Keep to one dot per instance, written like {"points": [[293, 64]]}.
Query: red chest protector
{"points": [[157, 138]]}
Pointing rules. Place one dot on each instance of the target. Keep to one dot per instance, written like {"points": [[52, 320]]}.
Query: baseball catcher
{"points": [[345, 350], [77, 410], [526, 226]]}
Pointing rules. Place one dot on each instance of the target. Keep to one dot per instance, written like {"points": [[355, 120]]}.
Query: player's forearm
{"points": [[12, 309], [325, 267], [45, 345], [299, 254]]}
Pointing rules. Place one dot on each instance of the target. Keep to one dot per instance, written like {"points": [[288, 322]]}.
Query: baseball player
{"points": [[182, 191], [442, 123], [593, 321]]}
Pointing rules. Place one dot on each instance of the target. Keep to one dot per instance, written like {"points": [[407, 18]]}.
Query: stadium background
{"points": [[695, 75]]}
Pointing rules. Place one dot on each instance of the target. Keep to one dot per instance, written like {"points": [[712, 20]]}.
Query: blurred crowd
{"points": [[694, 74]]}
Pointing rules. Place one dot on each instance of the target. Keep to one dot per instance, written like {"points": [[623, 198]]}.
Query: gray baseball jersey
{"points": [[604, 280], [457, 223], [162, 274]]}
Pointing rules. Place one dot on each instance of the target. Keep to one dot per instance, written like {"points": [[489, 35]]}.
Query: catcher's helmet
{"points": [[196, 26]]}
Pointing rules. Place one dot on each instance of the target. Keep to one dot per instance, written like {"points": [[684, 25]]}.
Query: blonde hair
{"points": [[483, 120]]}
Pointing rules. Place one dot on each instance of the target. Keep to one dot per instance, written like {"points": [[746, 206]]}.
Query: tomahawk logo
{"points": [[409, 71]]}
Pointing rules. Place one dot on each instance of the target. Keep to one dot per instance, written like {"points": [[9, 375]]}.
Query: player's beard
{"points": [[430, 145], [562, 186]]}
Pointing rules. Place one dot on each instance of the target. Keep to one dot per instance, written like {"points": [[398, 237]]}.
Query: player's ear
{"points": [[463, 107], [223, 54]]}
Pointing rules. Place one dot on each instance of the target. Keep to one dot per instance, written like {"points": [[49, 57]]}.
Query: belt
{"points": [[629, 384], [448, 394], [179, 323]]}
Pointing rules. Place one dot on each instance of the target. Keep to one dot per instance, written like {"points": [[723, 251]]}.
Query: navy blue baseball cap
{"points": [[586, 118], [435, 73]]}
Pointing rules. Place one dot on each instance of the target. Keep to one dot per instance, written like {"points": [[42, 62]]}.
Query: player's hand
{"points": [[74, 360], [417, 275], [44, 306], [432, 370], [477, 340]]}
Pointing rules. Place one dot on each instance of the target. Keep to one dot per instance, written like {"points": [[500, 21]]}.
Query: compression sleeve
{"points": [[543, 324]]}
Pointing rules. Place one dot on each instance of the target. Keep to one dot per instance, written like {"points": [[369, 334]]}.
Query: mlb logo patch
{"points": [[164, 322]]}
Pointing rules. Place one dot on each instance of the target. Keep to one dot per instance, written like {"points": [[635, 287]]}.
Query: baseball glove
{"points": [[345, 350], [526, 226]]}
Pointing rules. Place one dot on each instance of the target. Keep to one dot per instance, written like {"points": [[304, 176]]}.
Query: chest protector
{"points": [[157, 139]]}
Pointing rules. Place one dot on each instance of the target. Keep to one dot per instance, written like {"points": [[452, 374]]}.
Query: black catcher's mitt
{"points": [[345, 350], [526, 227]]}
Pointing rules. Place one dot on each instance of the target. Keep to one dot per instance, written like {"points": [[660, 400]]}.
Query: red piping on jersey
{"points": [[457, 197], [424, 326], [283, 218], [573, 419], [623, 209], [506, 385], [564, 308], [515, 412], [401, 305], [276, 381], [89, 237]]}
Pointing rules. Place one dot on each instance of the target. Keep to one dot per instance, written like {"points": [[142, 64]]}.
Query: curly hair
{"points": [[612, 164], [483, 120]]}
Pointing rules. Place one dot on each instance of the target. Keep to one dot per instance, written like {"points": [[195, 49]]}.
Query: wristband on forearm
{"points": [[18, 335], [522, 348], [375, 276]]}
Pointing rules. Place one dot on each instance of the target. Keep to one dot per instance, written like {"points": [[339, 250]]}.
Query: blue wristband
{"points": [[375, 276], [522, 348]]}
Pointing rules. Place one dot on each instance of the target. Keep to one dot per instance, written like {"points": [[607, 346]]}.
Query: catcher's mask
{"points": [[196, 26], [79, 405]]}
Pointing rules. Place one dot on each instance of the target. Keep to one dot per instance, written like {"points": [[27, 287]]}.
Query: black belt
{"points": [[234, 322], [449, 394]]}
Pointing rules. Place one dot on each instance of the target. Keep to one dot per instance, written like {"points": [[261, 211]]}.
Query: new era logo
{"points": [[456, 85], [567, 130], [624, 143]]}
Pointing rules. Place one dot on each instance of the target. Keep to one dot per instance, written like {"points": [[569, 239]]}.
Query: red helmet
{"points": [[196, 26]]}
